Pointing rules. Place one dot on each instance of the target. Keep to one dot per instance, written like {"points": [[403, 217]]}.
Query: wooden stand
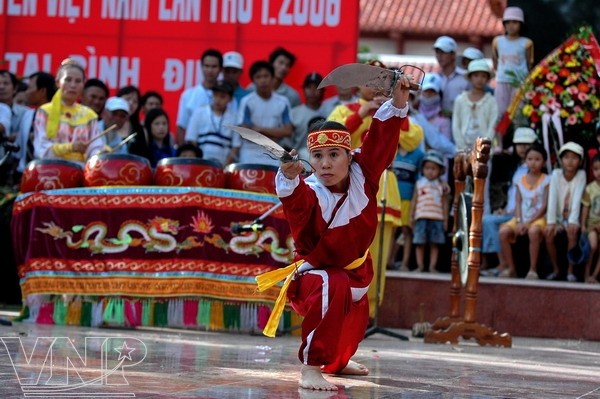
{"points": [[449, 329]]}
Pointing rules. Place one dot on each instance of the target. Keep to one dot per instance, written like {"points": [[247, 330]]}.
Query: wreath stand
{"points": [[466, 255]]}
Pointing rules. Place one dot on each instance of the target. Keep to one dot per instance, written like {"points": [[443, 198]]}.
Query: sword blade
{"points": [[260, 139], [353, 75]]}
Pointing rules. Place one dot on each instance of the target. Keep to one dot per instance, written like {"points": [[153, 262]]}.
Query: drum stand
{"points": [[374, 328], [449, 329]]}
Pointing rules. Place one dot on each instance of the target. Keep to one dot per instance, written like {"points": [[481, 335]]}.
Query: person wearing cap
{"points": [[512, 55], [453, 83], [469, 54], [233, 66], [564, 204], [590, 220], [197, 96], [63, 128], [117, 113], [333, 218], [523, 138], [475, 115], [430, 105], [208, 128], [429, 211], [475, 112], [303, 113], [530, 214]]}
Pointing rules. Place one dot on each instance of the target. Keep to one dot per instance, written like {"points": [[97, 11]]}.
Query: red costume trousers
{"points": [[333, 324]]}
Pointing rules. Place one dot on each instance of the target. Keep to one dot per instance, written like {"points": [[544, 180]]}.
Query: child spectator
{"points": [[564, 202], [188, 151], [263, 111], [157, 125], [590, 219], [530, 210], [591, 153], [512, 55], [475, 111], [523, 138], [429, 210], [475, 115], [430, 105], [469, 54], [208, 127], [406, 169]]}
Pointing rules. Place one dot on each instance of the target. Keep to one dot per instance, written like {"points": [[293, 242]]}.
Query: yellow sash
{"points": [[269, 279]]}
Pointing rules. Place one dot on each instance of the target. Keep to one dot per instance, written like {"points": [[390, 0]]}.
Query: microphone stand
{"points": [[374, 329]]}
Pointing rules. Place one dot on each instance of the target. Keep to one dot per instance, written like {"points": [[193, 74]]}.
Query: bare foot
{"points": [[354, 368], [312, 378]]}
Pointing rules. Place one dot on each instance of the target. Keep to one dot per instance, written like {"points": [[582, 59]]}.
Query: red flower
{"points": [[535, 118], [587, 117], [537, 100], [583, 87], [557, 89], [563, 73]]}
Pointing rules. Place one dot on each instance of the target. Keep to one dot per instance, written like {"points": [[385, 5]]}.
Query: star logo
{"points": [[124, 351]]}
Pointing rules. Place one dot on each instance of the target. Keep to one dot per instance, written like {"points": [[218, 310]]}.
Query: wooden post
{"points": [[451, 328]]}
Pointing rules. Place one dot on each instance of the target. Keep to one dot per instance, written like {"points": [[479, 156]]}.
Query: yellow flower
{"points": [[572, 47], [572, 63], [549, 85], [527, 110], [563, 113]]}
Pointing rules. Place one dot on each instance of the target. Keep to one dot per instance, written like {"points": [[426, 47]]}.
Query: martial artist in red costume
{"points": [[333, 219]]}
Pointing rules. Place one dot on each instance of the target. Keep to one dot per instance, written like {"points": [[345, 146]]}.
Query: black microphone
{"points": [[11, 147], [238, 228]]}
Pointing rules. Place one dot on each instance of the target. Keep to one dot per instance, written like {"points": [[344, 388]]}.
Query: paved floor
{"points": [[190, 364]]}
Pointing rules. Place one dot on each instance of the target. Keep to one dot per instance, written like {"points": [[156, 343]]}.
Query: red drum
{"points": [[194, 172], [251, 177], [117, 170], [51, 174]]}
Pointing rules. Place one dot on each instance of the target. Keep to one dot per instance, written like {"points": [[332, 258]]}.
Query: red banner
{"points": [[156, 45]]}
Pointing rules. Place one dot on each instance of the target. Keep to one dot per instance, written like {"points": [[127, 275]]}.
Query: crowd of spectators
{"points": [[68, 115]]}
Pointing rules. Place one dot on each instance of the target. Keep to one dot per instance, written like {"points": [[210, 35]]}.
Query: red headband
{"points": [[328, 138]]}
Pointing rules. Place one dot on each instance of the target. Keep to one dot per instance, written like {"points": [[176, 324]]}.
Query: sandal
{"points": [[506, 273], [552, 276], [532, 275]]}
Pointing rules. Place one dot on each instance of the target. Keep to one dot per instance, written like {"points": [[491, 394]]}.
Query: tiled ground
{"points": [[185, 364]]}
